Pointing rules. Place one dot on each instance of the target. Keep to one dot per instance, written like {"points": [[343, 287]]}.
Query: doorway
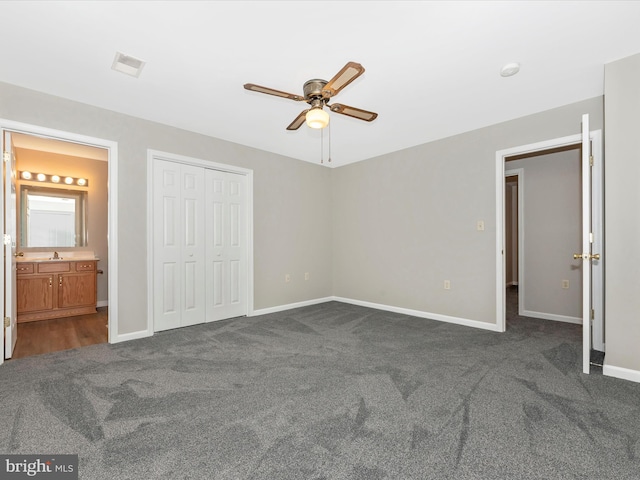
{"points": [[72, 153], [532, 150]]}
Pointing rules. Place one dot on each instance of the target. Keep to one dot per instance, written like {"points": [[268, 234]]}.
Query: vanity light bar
{"points": [[43, 177]]}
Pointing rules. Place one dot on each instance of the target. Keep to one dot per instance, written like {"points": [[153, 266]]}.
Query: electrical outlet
{"points": [[306, 275], [447, 285], [565, 283], [480, 226], [287, 278]]}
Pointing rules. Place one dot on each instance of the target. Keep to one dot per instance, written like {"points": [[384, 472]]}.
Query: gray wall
{"points": [[552, 234], [292, 208], [622, 220], [406, 221]]}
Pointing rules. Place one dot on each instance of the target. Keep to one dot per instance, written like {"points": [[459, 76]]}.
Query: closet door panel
{"points": [[193, 244], [226, 252], [167, 307]]}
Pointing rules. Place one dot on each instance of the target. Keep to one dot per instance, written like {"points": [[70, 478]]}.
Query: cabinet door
{"points": [[35, 293], [75, 290]]}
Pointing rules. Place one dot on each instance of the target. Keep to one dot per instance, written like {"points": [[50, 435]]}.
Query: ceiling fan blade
{"points": [[353, 112], [344, 77], [271, 91], [300, 119]]}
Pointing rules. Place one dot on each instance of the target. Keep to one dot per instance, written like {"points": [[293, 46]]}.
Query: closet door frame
{"points": [[153, 155]]}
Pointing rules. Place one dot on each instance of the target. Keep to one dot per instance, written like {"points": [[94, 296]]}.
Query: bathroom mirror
{"points": [[52, 217]]}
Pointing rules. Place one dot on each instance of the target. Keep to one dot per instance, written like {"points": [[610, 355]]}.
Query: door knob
{"points": [[19, 254]]}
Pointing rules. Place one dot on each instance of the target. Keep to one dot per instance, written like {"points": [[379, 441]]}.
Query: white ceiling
{"points": [[432, 68]]}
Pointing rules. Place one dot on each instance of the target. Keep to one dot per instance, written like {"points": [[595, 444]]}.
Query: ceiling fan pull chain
{"points": [[329, 144], [322, 146]]}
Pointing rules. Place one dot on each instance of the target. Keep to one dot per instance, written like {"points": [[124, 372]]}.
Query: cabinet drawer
{"points": [[85, 267], [23, 268], [53, 267]]}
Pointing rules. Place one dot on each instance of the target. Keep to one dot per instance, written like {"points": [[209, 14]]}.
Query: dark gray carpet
{"points": [[332, 391]]}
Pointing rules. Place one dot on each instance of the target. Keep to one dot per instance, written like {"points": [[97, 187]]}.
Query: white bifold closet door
{"points": [[200, 245], [179, 245], [226, 252]]}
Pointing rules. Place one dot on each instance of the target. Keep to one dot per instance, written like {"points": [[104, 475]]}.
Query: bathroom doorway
{"points": [[54, 168]]}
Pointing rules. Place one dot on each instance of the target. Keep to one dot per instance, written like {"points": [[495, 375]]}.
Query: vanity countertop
{"points": [[62, 257]]}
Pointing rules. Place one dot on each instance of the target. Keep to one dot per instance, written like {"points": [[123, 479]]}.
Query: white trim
{"points": [[282, 308], [198, 162], [596, 138], [620, 372], [420, 314], [112, 199], [378, 306], [551, 316], [176, 158], [125, 337]]}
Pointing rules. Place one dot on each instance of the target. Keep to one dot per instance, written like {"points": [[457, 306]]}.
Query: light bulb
{"points": [[55, 178], [26, 175], [82, 182], [41, 177], [68, 180], [317, 118]]}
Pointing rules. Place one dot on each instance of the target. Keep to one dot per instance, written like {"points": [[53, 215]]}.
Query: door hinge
{"points": [[6, 156], [591, 160], [7, 322], [590, 237], [6, 239]]}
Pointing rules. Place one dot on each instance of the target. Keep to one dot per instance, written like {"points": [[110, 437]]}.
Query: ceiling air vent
{"points": [[127, 64]]}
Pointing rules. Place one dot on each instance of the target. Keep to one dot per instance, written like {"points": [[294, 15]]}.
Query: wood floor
{"points": [[35, 338]]}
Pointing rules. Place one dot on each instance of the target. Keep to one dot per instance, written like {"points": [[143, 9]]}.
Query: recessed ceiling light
{"points": [[510, 69], [127, 64]]}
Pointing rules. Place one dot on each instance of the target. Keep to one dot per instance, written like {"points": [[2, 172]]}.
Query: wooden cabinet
{"points": [[53, 289]]}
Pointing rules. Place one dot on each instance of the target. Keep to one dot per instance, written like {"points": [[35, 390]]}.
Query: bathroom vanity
{"points": [[55, 287]]}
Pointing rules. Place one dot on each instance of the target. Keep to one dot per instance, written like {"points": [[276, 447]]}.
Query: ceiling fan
{"points": [[317, 93]]}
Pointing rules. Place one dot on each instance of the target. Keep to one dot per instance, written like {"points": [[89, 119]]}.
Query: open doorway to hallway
{"points": [[542, 231]]}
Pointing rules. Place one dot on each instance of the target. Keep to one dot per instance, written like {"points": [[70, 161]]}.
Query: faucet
{"points": [[55, 255]]}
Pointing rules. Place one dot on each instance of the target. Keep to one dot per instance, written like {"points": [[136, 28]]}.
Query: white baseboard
{"points": [[420, 314], [102, 303], [125, 337], [406, 311], [619, 372], [551, 316], [282, 308]]}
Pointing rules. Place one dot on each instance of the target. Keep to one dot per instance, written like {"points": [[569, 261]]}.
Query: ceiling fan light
{"points": [[317, 118]]}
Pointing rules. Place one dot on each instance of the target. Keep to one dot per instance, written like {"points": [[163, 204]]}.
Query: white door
{"points": [[226, 253], [178, 237], [587, 239], [10, 227]]}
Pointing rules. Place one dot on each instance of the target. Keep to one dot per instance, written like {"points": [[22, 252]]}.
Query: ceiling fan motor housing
{"points": [[313, 89]]}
